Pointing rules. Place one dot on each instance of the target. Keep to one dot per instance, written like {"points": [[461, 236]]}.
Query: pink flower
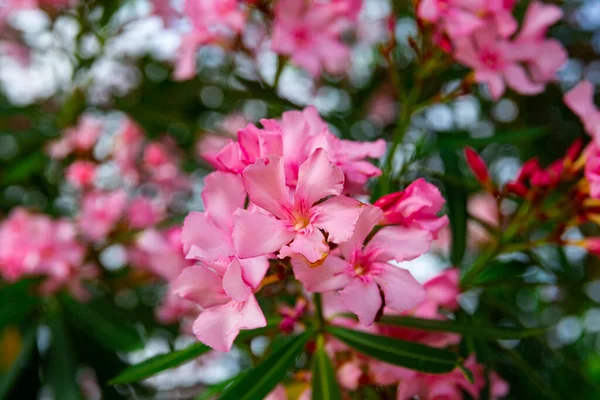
{"points": [[100, 212], [417, 206], [81, 138], [32, 245], [454, 18], [162, 253], [143, 213], [164, 9], [215, 15], [360, 271], [309, 32], [496, 63], [580, 100], [81, 173], [207, 236], [294, 225], [185, 66], [226, 296], [592, 169]]}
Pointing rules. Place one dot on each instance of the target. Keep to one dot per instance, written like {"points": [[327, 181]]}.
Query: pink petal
{"points": [[233, 282], [200, 285], [256, 234], [580, 99], [203, 240], [399, 243], [429, 10], [337, 216], [331, 275], [218, 327], [311, 245], [254, 270], [538, 18], [461, 23], [368, 219], [265, 183], [223, 193], [519, 81], [317, 179], [363, 299], [401, 290]]}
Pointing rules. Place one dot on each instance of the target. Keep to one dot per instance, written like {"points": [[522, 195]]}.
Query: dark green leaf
{"points": [[324, 383], [436, 325], [456, 197], [459, 140], [100, 321], [260, 380], [15, 303], [531, 375], [498, 272], [60, 367], [7, 380], [156, 364], [398, 352]]}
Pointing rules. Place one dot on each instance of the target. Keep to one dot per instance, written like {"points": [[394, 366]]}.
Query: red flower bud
{"points": [[477, 166]]}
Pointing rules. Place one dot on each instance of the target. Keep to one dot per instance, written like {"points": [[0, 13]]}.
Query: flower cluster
{"points": [[34, 245], [281, 195], [308, 32], [482, 35]]}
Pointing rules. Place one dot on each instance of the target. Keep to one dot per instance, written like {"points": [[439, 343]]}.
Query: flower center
{"points": [[359, 269], [490, 59]]}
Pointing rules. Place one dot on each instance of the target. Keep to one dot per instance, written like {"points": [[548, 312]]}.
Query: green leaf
{"points": [[16, 303], [456, 197], [461, 139], [7, 380], [488, 332], [20, 171], [531, 375], [324, 383], [498, 272], [398, 352], [260, 380], [154, 365], [162, 362], [100, 321], [60, 367]]}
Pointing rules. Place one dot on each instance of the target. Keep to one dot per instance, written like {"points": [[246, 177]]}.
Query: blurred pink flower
{"points": [[310, 33], [580, 100], [81, 173], [100, 213]]}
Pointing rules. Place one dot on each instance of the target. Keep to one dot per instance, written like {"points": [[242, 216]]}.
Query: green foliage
{"points": [[324, 381]]}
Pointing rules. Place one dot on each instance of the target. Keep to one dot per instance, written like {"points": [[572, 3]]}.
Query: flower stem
{"points": [[319, 311]]}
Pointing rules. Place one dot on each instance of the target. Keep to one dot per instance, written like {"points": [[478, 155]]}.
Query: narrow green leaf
{"points": [[60, 367], [398, 352], [162, 362], [100, 321], [488, 332], [324, 383], [531, 375], [456, 197], [7, 380], [212, 391], [15, 303], [260, 380], [154, 365], [501, 272]]}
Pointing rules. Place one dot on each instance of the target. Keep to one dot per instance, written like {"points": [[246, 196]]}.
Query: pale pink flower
{"points": [[226, 295], [81, 138], [164, 9], [143, 212], [81, 173], [294, 225], [417, 206], [185, 66], [100, 212], [215, 15], [451, 15], [207, 236], [310, 33], [162, 253], [580, 100], [278, 393], [360, 271], [34, 245]]}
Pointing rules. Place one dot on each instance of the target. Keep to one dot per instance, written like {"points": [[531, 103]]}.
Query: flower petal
{"points": [[317, 179], [218, 327], [233, 282], [363, 299], [331, 275], [256, 234], [254, 270], [311, 245], [337, 216], [400, 289], [399, 243], [203, 240], [200, 285], [369, 217], [265, 183], [223, 193]]}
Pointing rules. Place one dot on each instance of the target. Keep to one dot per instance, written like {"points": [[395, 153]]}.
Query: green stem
{"points": [[281, 61], [479, 265], [319, 311]]}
